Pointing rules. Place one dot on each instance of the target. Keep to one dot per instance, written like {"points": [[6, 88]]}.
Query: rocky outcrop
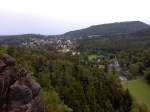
{"points": [[18, 91]]}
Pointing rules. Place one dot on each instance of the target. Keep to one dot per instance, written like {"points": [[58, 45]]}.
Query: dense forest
{"points": [[90, 76], [71, 86], [108, 29], [132, 50], [140, 39]]}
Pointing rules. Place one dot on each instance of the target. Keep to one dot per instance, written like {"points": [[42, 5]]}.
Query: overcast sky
{"points": [[59, 16]]}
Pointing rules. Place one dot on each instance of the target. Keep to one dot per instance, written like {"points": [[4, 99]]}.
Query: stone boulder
{"points": [[18, 91]]}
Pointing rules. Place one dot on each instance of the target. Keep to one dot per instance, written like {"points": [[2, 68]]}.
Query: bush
{"points": [[52, 102]]}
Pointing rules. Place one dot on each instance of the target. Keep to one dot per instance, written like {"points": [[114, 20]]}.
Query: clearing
{"points": [[140, 90]]}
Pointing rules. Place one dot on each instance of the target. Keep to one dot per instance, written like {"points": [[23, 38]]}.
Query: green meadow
{"points": [[92, 57], [140, 90]]}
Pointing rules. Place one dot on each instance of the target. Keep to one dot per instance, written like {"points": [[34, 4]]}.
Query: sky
{"points": [[51, 17]]}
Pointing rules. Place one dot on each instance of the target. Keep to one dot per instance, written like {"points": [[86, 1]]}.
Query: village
{"points": [[67, 46], [60, 45]]}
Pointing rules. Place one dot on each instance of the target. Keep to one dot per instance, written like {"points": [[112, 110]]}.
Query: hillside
{"points": [[68, 86], [139, 39], [84, 82], [18, 39], [143, 33], [108, 29], [115, 30]]}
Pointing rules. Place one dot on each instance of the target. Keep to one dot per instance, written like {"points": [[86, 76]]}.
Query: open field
{"points": [[92, 57], [140, 90]]}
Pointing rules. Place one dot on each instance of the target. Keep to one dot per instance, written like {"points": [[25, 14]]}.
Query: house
{"points": [[123, 78]]}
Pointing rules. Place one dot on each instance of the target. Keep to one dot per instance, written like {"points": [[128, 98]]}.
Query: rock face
{"points": [[18, 91]]}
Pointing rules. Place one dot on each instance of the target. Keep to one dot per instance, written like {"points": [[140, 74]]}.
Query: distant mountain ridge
{"points": [[18, 39], [132, 29], [117, 42], [109, 29]]}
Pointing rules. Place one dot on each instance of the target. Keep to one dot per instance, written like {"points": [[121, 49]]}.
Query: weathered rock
{"points": [[7, 77], [18, 92]]}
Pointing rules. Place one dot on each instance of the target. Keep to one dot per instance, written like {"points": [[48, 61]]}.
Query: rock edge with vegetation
{"points": [[18, 91]]}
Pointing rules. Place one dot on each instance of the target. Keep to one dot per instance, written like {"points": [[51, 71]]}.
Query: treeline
{"points": [[114, 43], [136, 62], [108, 29], [132, 50], [18, 39], [69, 86]]}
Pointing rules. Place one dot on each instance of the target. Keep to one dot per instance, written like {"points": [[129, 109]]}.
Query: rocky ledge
{"points": [[18, 91]]}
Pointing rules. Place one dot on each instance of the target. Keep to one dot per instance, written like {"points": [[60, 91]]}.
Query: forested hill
{"points": [[116, 31], [17, 39], [108, 29], [142, 33], [139, 39]]}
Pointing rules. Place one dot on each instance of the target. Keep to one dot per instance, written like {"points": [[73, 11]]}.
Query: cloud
{"points": [[73, 14]]}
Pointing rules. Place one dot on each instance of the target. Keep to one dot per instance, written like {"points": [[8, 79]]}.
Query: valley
{"points": [[95, 69]]}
